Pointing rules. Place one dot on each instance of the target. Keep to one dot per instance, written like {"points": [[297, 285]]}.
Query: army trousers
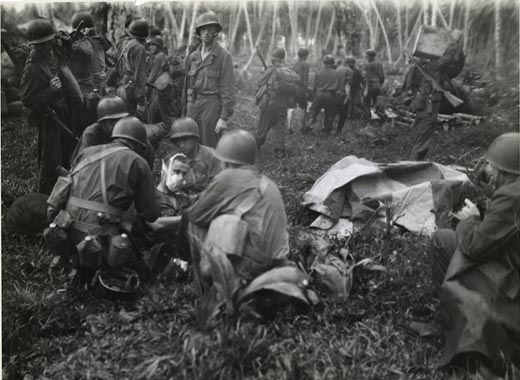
{"points": [[323, 100], [424, 126], [273, 116], [205, 110]]}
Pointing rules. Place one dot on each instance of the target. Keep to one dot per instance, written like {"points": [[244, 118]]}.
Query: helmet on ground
{"points": [[82, 20], [130, 128], [157, 41], [350, 61], [39, 31], [278, 53], [118, 283], [208, 18], [138, 28], [111, 107], [328, 60], [504, 153], [184, 127], [370, 53], [237, 147], [303, 52]]}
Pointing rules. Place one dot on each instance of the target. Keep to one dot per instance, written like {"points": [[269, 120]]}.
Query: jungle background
{"points": [[52, 331]]}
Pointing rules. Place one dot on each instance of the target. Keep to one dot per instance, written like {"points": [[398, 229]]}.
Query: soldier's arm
{"points": [[33, 96], [144, 193], [227, 87], [208, 205], [139, 58]]}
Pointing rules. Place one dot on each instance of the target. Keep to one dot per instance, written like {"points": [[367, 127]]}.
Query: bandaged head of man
{"points": [[174, 171]]}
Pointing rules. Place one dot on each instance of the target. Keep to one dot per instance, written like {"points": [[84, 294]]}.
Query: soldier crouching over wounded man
{"points": [[241, 213], [107, 191], [478, 266]]}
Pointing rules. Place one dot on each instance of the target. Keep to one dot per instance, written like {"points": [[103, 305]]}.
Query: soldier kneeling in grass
{"points": [[478, 266], [241, 214]]}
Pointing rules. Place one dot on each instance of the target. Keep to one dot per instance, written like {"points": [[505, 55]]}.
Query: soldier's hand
{"points": [[55, 83], [221, 126], [468, 210]]}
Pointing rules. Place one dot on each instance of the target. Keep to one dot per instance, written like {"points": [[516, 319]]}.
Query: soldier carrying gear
{"points": [[132, 67], [277, 89], [50, 92], [374, 79], [249, 204], [94, 199], [209, 88], [302, 68]]}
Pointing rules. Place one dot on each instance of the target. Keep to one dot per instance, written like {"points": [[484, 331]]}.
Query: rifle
{"points": [[261, 57], [454, 101], [63, 127]]}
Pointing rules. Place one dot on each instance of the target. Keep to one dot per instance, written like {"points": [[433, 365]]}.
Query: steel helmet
{"points": [[350, 61], [370, 53], [118, 283], [111, 107], [237, 147], [184, 127], [82, 20], [39, 31], [131, 128], [138, 28], [157, 41], [278, 53], [328, 59], [154, 31], [303, 52], [504, 153], [207, 18]]}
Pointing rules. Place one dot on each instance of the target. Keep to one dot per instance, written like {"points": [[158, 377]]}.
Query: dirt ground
{"points": [[52, 331]]}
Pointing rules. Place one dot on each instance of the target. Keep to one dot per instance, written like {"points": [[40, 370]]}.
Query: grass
{"points": [[53, 331]]}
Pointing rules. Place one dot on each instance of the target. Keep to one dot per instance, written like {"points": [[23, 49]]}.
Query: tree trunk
{"points": [[293, 18], [308, 24], [249, 32], [173, 22], [273, 30], [406, 20], [399, 27], [426, 12], [329, 33], [452, 13], [258, 39], [235, 27], [498, 46], [192, 27], [181, 27], [383, 30], [466, 26], [317, 26], [443, 19]]}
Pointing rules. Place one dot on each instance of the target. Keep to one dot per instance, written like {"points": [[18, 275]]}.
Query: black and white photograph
{"points": [[260, 189]]}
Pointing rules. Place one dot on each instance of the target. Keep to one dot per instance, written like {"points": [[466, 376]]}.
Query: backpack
{"points": [[286, 81]]}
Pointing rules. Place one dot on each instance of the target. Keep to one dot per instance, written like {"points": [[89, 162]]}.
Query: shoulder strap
{"points": [[249, 203], [96, 157]]}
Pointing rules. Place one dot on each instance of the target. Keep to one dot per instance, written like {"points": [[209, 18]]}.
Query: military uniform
{"points": [[54, 146], [132, 74], [344, 76], [326, 84], [273, 110], [210, 90], [160, 94], [478, 266], [302, 68], [374, 77], [267, 240]]}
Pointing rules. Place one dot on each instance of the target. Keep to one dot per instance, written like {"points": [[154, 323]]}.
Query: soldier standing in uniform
{"points": [[132, 68], [374, 78], [354, 90], [344, 76], [274, 105], [160, 84], [326, 85], [302, 68], [210, 85], [47, 87]]}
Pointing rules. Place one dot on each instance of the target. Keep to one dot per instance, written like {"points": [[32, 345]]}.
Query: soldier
{"points": [[344, 76], [302, 68], [110, 110], [210, 85], [240, 190], [48, 87], [280, 91], [203, 165], [104, 183], [160, 84], [478, 267], [374, 79], [132, 68], [326, 84], [354, 88]]}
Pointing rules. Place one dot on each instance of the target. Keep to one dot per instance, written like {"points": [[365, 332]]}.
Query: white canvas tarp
{"points": [[410, 190]]}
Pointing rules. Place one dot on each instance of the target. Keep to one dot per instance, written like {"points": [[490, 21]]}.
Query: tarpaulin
{"points": [[407, 192]]}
